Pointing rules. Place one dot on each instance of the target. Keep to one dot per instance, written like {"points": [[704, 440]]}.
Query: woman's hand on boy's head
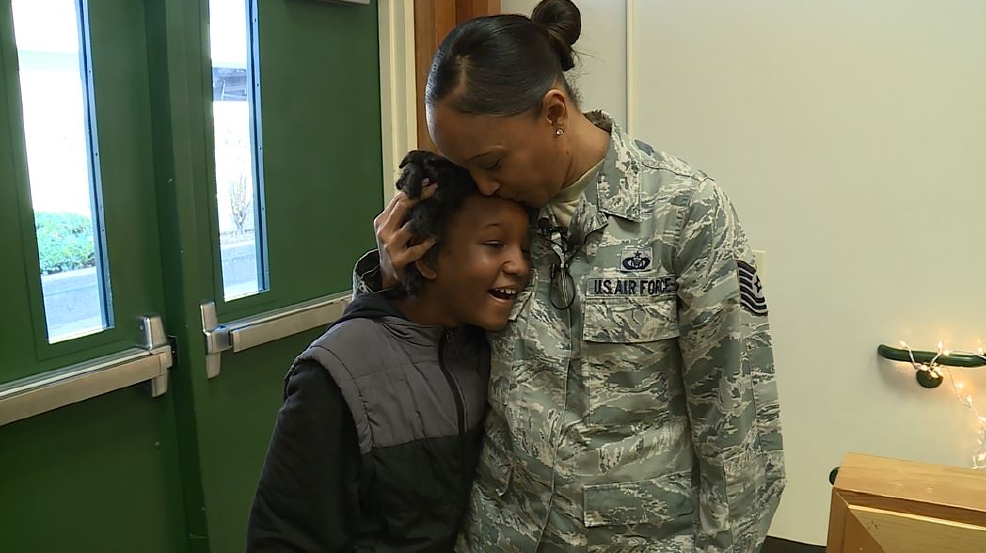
{"points": [[393, 237]]}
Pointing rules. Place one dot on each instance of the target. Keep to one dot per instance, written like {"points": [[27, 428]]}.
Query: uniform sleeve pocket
{"points": [[638, 513], [745, 480], [630, 320]]}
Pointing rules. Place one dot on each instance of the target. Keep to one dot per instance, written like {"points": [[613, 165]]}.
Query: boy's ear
{"points": [[427, 271]]}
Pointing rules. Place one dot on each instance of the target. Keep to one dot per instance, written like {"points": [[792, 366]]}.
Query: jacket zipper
{"points": [[459, 407]]}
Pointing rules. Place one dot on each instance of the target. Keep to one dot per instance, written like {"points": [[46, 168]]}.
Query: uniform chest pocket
{"points": [[630, 320], [629, 356]]}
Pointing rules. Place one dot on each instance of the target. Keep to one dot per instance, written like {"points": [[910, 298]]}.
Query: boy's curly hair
{"points": [[431, 217]]}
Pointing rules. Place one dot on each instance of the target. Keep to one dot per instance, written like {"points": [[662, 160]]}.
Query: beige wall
{"points": [[601, 72]]}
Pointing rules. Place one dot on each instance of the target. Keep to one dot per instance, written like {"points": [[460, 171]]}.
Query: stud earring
{"points": [[559, 131]]}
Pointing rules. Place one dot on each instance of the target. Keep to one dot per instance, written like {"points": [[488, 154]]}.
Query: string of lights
{"points": [[931, 369]]}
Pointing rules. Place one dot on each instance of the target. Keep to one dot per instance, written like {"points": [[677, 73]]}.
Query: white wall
{"points": [[852, 138]]}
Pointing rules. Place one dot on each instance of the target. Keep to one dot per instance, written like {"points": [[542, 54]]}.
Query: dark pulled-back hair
{"points": [[430, 218], [505, 64]]}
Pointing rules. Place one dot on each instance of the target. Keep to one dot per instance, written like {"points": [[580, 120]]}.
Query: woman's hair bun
{"points": [[563, 22]]}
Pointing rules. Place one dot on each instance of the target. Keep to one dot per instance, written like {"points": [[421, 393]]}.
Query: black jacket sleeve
{"points": [[307, 499]]}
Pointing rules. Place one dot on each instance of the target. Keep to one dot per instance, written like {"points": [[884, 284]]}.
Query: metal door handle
{"points": [[149, 361], [265, 327]]}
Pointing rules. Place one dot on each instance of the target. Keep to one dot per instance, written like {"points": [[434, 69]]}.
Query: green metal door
{"points": [[235, 162]]}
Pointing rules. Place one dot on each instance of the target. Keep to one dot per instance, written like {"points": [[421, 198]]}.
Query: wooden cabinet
{"points": [[884, 505]]}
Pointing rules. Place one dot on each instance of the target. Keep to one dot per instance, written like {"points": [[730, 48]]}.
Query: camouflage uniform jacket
{"points": [[644, 416]]}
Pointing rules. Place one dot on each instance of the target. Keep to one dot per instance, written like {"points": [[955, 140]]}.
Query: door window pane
{"points": [[232, 30], [59, 133]]}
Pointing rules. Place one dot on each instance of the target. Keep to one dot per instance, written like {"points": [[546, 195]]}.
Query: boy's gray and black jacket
{"points": [[376, 442]]}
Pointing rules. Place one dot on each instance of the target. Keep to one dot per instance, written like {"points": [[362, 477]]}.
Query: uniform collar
{"points": [[617, 190]]}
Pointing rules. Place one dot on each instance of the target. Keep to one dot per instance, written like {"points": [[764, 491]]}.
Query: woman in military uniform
{"points": [[632, 400]]}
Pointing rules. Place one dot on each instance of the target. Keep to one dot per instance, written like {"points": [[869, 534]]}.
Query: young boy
{"points": [[376, 443]]}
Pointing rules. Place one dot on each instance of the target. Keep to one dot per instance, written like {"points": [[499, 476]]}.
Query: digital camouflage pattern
{"points": [[644, 417]]}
